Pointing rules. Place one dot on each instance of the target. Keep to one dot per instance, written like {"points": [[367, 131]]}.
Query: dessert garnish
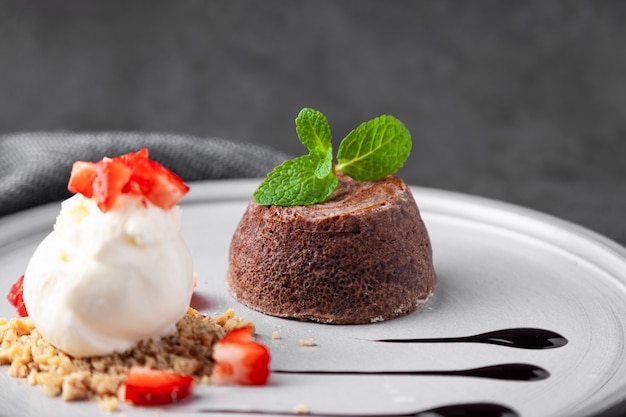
{"points": [[240, 360], [147, 386], [504, 371], [132, 173], [16, 297], [519, 337], [480, 409], [370, 152]]}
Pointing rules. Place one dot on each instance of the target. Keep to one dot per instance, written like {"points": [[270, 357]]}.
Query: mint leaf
{"points": [[295, 183], [314, 132], [325, 165], [375, 149]]}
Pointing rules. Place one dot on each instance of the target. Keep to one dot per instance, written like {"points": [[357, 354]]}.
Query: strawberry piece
{"points": [[158, 184], [82, 177], [240, 360], [145, 386], [16, 297], [130, 159], [132, 173], [111, 177]]}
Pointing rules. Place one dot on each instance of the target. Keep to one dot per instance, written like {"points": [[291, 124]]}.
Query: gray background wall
{"points": [[523, 101]]}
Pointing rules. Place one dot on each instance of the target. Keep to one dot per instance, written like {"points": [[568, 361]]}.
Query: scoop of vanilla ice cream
{"points": [[101, 282]]}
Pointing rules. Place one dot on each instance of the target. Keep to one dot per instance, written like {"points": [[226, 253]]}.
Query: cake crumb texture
{"points": [[101, 378]]}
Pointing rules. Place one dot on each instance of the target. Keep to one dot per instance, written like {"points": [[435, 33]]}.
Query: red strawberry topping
{"points": [[240, 360], [131, 173], [81, 178], [145, 386], [15, 297]]}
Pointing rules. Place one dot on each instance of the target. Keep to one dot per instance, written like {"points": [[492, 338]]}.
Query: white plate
{"points": [[499, 266]]}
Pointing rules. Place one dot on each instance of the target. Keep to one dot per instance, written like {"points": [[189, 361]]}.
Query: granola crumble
{"points": [[101, 378]]}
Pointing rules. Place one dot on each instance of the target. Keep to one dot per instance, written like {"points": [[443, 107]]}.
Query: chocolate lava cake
{"points": [[362, 256]]}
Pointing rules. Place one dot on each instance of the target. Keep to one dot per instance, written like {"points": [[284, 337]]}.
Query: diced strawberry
{"points": [[81, 178], [111, 177], [130, 159], [240, 335], [129, 173], [158, 184], [240, 360], [145, 386], [16, 297]]}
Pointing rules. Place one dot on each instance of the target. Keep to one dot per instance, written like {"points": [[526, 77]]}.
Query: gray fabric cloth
{"points": [[35, 166]]}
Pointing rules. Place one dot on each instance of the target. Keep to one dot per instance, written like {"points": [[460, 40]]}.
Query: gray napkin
{"points": [[35, 166]]}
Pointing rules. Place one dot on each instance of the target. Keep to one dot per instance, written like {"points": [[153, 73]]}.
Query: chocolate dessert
{"points": [[362, 256]]}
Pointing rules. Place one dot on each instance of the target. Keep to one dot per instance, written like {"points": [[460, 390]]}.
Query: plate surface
{"points": [[499, 266]]}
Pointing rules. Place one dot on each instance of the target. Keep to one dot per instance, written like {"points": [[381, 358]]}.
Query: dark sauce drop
{"points": [[521, 338], [471, 410], [454, 410], [505, 371]]}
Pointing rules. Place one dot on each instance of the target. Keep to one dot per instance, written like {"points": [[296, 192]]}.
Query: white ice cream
{"points": [[101, 282]]}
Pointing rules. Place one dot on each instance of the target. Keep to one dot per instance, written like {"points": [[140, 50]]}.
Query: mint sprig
{"points": [[295, 183], [370, 152], [314, 132], [375, 149]]}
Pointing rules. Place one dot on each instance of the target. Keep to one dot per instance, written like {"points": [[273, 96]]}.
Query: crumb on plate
{"points": [[308, 342]]}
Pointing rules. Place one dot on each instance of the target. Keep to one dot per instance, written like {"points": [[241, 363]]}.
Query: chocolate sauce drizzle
{"points": [[505, 371], [521, 338], [455, 410]]}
